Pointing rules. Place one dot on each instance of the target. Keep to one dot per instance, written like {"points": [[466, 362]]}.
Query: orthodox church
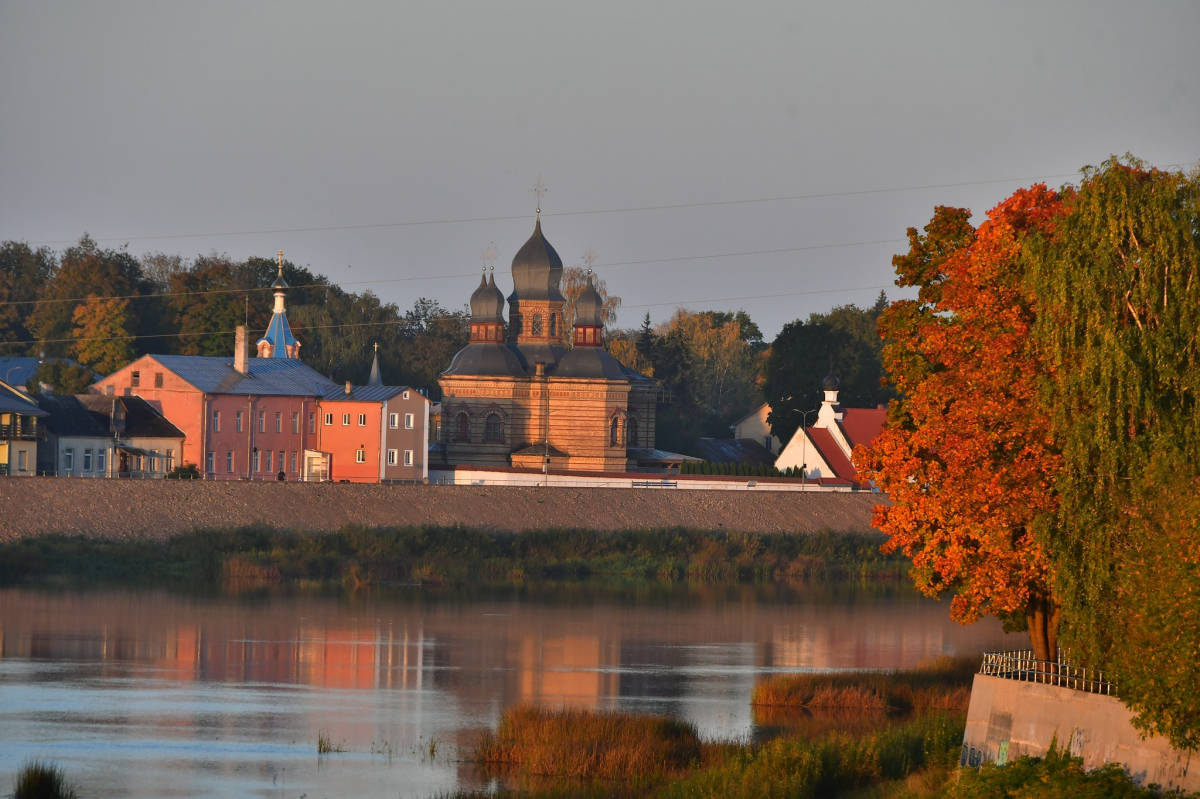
{"points": [[517, 396]]}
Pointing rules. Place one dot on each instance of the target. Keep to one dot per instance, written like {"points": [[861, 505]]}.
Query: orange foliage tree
{"points": [[967, 456]]}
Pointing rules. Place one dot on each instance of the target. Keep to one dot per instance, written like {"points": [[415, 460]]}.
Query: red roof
{"points": [[862, 425], [823, 440]]}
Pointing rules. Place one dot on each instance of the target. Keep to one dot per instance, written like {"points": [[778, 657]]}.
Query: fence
{"points": [[1021, 665]]}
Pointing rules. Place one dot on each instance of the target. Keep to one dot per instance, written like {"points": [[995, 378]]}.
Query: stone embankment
{"points": [[160, 508]]}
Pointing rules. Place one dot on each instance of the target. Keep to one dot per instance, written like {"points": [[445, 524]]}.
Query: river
{"points": [[148, 692]]}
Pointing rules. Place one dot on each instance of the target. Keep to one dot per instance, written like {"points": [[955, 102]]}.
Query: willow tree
{"points": [[966, 456], [1118, 290]]}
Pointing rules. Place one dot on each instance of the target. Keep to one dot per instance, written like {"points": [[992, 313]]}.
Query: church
{"points": [[518, 396]]}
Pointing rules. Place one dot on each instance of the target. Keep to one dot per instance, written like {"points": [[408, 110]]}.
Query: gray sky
{"points": [[130, 120]]}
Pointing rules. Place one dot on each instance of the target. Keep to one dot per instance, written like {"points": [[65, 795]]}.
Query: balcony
{"points": [[22, 432]]}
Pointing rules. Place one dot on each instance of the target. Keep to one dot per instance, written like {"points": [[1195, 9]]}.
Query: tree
{"points": [[24, 273], [103, 341], [967, 456], [1119, 282], [574, 278], [63, 377], [430, 335], [846, 340]]}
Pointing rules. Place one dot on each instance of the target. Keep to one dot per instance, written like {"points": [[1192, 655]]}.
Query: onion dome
{"points": [[831, 383], [476, 294], [491, 303], [537, 269], [589, 306], [280, 284]]}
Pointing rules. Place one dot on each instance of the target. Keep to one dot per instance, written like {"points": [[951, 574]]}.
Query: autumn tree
{"points": [[967, 456], [574, 278], [103, 341], [1119, 288]]}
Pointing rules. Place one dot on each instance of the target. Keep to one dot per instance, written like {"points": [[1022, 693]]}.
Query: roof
{"points": [[19, 371], [487, 359], [863, 425], [530, 355], [279, 334], [362, 393], [659, 455], [70, 417], [752, 413], [132, 416], [734, 450], [539, 450], [537, 269], [13, 400], [828, 448], [277, 377], [589, 362]]}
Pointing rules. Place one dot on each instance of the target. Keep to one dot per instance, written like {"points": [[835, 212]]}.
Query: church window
{"points": [[537, 324], [631, 434], [554, 324], [615, 433], [464, 427], [493, 431]]}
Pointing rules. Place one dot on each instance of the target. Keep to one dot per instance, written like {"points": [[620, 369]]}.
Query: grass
{"points": [[941, 684], [326, 746], [583, 745], [42, 780], [359, 556]]}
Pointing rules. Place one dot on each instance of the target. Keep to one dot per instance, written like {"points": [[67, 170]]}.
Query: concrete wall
{"points": [[479, 476], [1027, 716]]}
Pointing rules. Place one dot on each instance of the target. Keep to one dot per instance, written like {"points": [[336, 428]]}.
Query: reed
{"points": [[586, 745], [39, 779], [326, 746], [941, 684]]}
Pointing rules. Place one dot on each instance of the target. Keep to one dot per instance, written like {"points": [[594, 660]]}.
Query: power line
{"points": [[451, 276], [625, 210], [431, 319]]}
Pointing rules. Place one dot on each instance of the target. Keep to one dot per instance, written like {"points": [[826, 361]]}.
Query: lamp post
{"points": [[804, 447]]}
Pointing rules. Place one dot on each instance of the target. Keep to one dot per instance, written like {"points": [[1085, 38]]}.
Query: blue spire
{"points": [[279, 332]]}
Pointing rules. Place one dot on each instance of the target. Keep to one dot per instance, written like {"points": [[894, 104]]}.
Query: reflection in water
{"points": [[151, 693]]}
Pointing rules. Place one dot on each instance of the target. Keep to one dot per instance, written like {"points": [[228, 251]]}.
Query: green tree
{"points": [[430, 335], [24, 273], [63, 377], [845, 339], [103, 341]]}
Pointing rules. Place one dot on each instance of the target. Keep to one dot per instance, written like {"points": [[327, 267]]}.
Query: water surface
{"points": [[155, 693]]}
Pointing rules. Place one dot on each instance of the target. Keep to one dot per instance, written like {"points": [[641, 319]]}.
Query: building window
{"points": [[153, 460], [392, 457], [312, 424], [170, 464], [767, 442], [262, 421], [360, 456], [208, 462], [631, 432], [281, 453], [464, 427], [345, 420], [408, 460], [22, 460], [87, 460], [229, 461], [408, 421], [158, 380], [615, 433], [267, 467], [393, 420], [295, 422], [135, 379], [362, 420], [110, 390], [328, 418], [278, 422], [406, 395], [493, 431], [293, 463], [256, 460], [554, 324], [537, 324], [68, 460], [217, 421], [237, 422]]}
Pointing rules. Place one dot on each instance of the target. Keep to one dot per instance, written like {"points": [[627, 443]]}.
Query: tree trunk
{"points": [[1042, 615]]}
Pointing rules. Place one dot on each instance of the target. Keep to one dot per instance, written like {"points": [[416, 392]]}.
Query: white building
{"points": [[824, 450], [754, 426], [93, 435]]}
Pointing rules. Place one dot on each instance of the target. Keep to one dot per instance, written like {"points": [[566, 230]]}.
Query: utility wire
{"points": [[629, 209], [431, 319]]}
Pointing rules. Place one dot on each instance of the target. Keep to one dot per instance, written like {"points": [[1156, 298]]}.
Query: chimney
{"points": [[348, 388], [241, 351], [539, 369]]}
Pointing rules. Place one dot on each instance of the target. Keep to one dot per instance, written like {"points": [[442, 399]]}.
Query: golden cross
{"points": [[539, 189]]}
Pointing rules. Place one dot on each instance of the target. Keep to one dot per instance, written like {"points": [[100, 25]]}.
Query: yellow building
{"points": [[20, 431], [517, 396]]}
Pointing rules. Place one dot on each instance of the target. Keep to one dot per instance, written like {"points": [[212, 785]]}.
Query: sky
{"points": [[387, 145]]}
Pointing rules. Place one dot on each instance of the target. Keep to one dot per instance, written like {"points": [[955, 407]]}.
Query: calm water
{"points": [[153, 693]]}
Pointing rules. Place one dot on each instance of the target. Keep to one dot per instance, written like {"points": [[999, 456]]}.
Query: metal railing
{"points": [[22, 432], [1020, 664]]}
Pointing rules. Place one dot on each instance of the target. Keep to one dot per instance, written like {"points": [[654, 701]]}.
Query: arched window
{"points": [[493, 431], [554, 324], [464, 427], [631, 432], [615, 434], [537, 325]]}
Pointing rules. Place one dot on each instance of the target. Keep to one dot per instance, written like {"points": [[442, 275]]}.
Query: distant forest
{"points": [[102, 308]]}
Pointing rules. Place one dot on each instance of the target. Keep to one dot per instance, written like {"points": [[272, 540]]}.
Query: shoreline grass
{"points": [[42, 779], [358, 556], [941, 684]]}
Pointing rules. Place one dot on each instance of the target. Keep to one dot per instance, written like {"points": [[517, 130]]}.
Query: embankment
{"points": [[158, 509]]}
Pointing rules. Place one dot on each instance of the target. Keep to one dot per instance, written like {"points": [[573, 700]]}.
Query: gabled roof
{"points": [[752, 413], [70, 417], [136, 416], [13, 400], [277, 377], [862, 425], [828, 448], [734, 450]]}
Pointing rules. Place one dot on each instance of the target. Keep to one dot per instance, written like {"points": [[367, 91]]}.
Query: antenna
{"points": [[539, 189]]}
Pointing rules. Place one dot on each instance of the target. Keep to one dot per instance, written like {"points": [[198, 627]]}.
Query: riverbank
{"points": [[159, 509]]}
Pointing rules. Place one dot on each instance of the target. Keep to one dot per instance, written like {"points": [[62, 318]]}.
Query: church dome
{"points": [[831, 383], [487, 303], [589, 305], [537, 269], [279, 283]]}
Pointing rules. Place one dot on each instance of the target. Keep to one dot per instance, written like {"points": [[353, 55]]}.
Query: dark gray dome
{"points": [[537, 269], [831, 383], [591, 362], [488, 359], [589, 305], [487, 303]]}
